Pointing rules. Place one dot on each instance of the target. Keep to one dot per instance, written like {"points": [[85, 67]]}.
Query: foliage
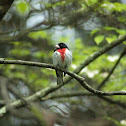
{"points": [[85, 26], [117, 123], [22, 7]]}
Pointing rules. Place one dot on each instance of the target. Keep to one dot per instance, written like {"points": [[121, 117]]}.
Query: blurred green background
{"points": [[31, 29]]}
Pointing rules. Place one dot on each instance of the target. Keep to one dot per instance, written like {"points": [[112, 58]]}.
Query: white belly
{"points": [[57, 60]]}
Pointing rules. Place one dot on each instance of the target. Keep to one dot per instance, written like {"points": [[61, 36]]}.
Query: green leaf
{"points": [[38, 35], [22, 7], [119, 7], [90, 2], [116, 122], [121, 31], [122, 18], [109, 28], [20, 52], [98, 39], [94, 31], [39, 54], [124, 42], [111, 38], [110, 7]]}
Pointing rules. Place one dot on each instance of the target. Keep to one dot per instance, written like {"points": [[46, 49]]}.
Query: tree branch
{"points": [[112, 70], [73, 75], [76, 94], [6, 39], [81, 93], [67, 95], [94, 56], [4, 6], [120, 104], [42, 93]]}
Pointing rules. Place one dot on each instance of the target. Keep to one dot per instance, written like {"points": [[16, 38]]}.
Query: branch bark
{"points": [[81, 93], [4, 6], [19, 36]]}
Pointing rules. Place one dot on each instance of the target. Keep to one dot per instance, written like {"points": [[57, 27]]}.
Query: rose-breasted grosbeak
{"points": [[62, 57]]}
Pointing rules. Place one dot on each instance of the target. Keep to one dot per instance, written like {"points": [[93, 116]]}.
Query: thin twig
{"points": [[81, 93], [112, 70]]}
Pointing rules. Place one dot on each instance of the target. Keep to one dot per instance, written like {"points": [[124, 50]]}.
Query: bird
{"points": [[62, 57]]}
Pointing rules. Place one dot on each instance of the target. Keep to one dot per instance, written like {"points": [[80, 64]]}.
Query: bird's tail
{"points": [[59, 77]]}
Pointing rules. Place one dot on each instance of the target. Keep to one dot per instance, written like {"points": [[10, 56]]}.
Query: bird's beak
{"points": [[57, 46]]}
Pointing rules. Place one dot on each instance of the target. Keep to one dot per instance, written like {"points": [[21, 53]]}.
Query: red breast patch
{"points": [[62, 53]]}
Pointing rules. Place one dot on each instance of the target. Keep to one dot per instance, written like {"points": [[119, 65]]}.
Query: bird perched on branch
{"points": [[62, 57]]}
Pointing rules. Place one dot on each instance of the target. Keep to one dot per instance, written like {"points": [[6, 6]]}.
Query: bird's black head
{"points": [[61, 46]]}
